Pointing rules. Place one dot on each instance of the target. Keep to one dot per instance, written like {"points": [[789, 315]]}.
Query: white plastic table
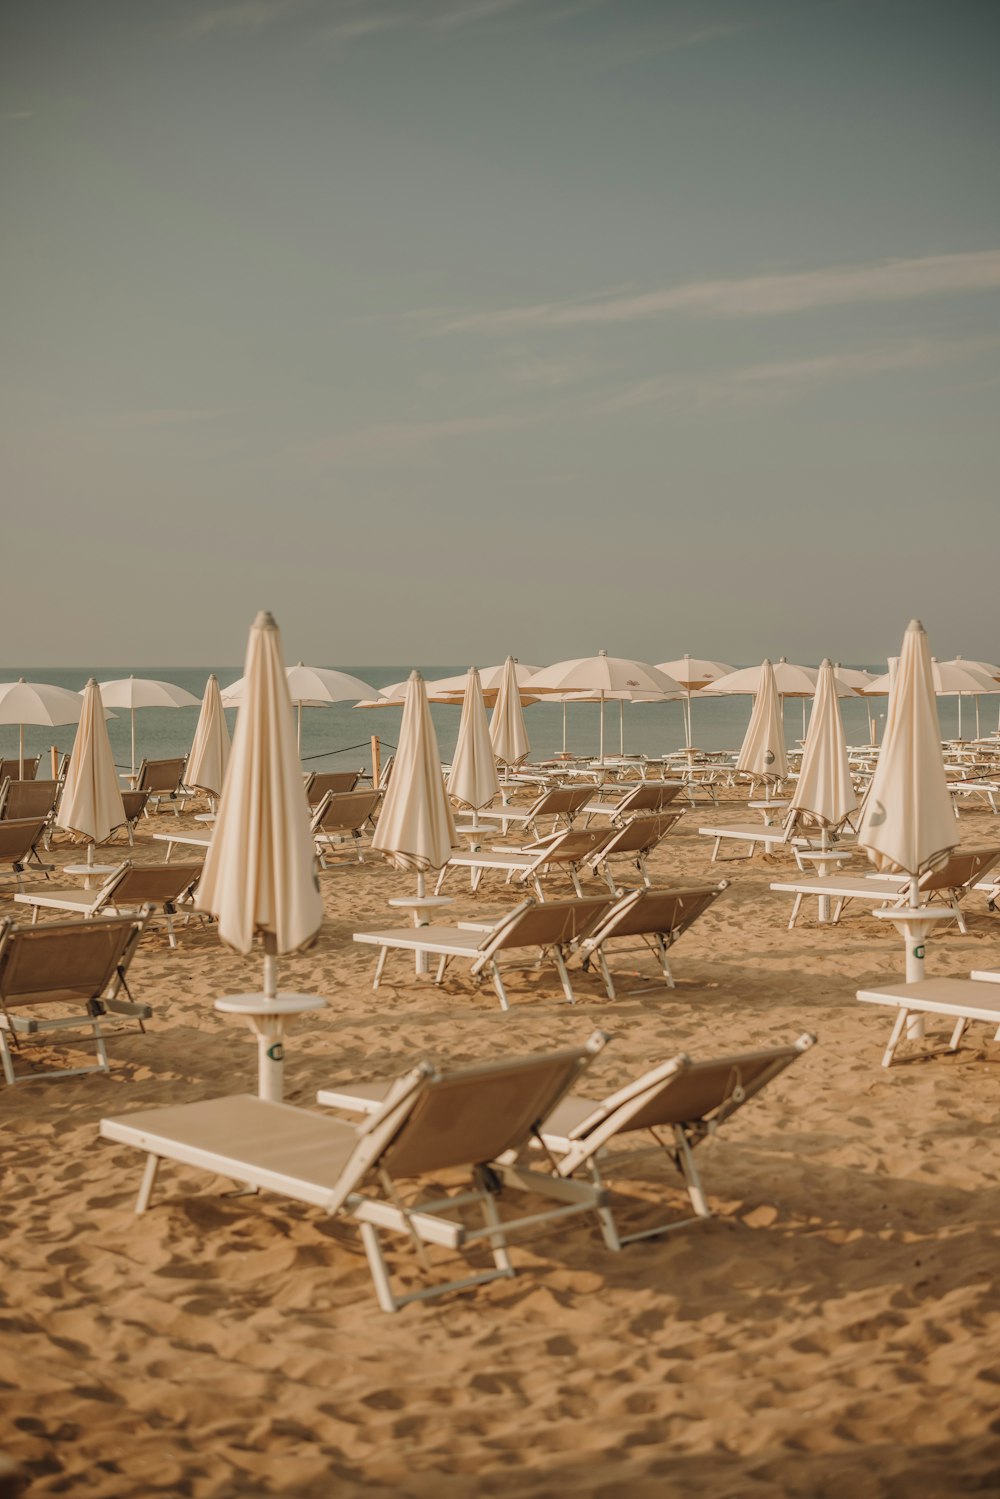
{"points": [[421, 908], [89, 869]]}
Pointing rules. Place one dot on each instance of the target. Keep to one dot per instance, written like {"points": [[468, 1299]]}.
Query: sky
{"points": [[451, 328]]}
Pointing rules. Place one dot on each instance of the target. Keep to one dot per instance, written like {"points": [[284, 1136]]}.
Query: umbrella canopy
{"points": [[309, 687], [451, 690], [259, 877], [41, 703], [602, 675], [508, 735], [824, 793], [473, 780], [948, 678], [91, 802], [144, 692], [415, 828], [908, 824], [790, 680], [762, 754], [693, 674], [206, 766]]}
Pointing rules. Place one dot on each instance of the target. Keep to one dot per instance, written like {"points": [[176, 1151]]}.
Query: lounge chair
{"points": [[28, 799], [322, 781], [11, 769], [432, 1120], [343, 817], [634, 841], [767, 836], [164, 780], [567, 853], [657, 917], [562, 803], [645, 796], [134, 804], [550, 929], [19, 842], [959, 1000], [948, 884], [690, 1099], [128, 890], [65, 963]]}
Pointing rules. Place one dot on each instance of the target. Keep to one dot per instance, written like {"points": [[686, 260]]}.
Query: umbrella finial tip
{"points": [[914, 625], [265, 620]]}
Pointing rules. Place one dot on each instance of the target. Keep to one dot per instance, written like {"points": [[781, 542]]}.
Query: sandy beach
{"points": [[834, 1327]]}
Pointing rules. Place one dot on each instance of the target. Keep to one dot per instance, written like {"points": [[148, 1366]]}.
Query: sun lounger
{"points": [[959, 1000], [63, 964], [433, 1120], [343, 817], [689, 1099], [320, 782], [562, 803], [131, 888], [657, 917], [548, 929], [634, 841], [11, 769], [19, 842], [566, 853], [947, 884], [134, 804], [645, 796], [29, 799], [164, 780]]}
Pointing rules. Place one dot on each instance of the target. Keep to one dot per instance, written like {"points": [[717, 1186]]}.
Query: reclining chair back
{"points": [[154, 884], [664, 913], [18, 837], [65, 960], [561, 801], [29, 799], [961, 869], [134, 803], [647, 796], [554, 923], [340, 782], [641, 834], [12, 769], [161, 775], [345, 811]]}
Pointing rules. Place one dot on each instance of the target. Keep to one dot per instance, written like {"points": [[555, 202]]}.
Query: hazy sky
{"points": [[448, 328]]}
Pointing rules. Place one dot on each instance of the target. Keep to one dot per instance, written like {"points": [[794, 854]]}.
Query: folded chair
{"points": [[656, 917], [164, 780], [566, 853], [80, 965], [19, 842], [685, 1099], [432, 1121], [549, 929], [562, 803], [131, 888], [645, 796], [634, 841], [321, 781], [11, 769], [343, 817]]}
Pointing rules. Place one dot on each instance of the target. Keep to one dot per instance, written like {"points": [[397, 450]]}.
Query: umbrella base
{"points": [[915, 924], [266, 1018]]}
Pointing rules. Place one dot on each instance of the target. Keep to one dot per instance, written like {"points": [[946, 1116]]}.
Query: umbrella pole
{"points": [[621, 726], [687, 720], [976, 701], [564, 729], [20, 751], [959, 715], [132, 712], [300, 731], [602, 726], [270, 1050]]}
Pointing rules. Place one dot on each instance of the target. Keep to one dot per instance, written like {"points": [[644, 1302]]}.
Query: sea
{"points": [[339, 736]]}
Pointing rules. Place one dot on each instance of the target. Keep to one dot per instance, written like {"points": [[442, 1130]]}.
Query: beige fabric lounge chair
{"points": [[164, 780], [550, 929], [80, 965], [656, 917], [947, 885], [343, 817], [134, 803], [18, 843], [562, 803], [645, 796], [320, 782], [11, 769], [130, 889], [433, 1120], [29, 799], [687, 1100], [959, 1000], [567, 853], [634, 841]]}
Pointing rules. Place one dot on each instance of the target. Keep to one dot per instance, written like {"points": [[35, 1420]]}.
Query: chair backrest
{"points": [[18, 837], [134, 803], [544, 924], [433, 1120], [65, 960], [386, 772], [961, 868], [641, 834], [571, 846], [337, 781], [12, 767], [648, 796], [695, 1095], [154, 884], [344, 811], [30, 799], [666, 913], [161, 775], [562, 801]]}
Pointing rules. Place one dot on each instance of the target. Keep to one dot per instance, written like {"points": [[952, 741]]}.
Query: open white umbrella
{"points": [[956, 678], [693, 674], [791, 680], [473, 781], [144, 692], [259, 878], [602, 675], [206, 765], [762, 753], [908, 824], [508, 734], [309, 687], [91, 802], [40, 703]]}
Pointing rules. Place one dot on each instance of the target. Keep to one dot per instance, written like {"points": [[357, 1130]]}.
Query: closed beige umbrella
{"points": [[908, 824], [824, 793], [473, 781], [415, 828], [206, 765], [259, 878], [91, 803], [762, 753], [508, 734]]}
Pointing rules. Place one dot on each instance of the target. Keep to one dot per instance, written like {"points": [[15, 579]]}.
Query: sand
{"points": [[834, 1329]]}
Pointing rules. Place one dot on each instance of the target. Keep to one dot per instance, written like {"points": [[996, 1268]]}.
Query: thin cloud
{"points": [[248, 15], [752, 296]]}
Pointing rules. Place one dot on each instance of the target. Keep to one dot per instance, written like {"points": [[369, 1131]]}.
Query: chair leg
{"points": [[605, 1217], [560, 963], [498, 985], [665, 962], [499, 1244], [379, 966], [796, 908], [606, 973], [897, 1031], [378, 1268], [690, 1173], [148, 1182], [956, 1034], [7, 1060]]}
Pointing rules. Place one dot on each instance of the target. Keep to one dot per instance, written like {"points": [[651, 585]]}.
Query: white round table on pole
{"points": [[87, 870], [420, 908], [915, 924], [266, 1018]]}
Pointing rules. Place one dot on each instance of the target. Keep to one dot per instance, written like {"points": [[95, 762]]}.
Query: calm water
{"points": [[338, 736]]}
